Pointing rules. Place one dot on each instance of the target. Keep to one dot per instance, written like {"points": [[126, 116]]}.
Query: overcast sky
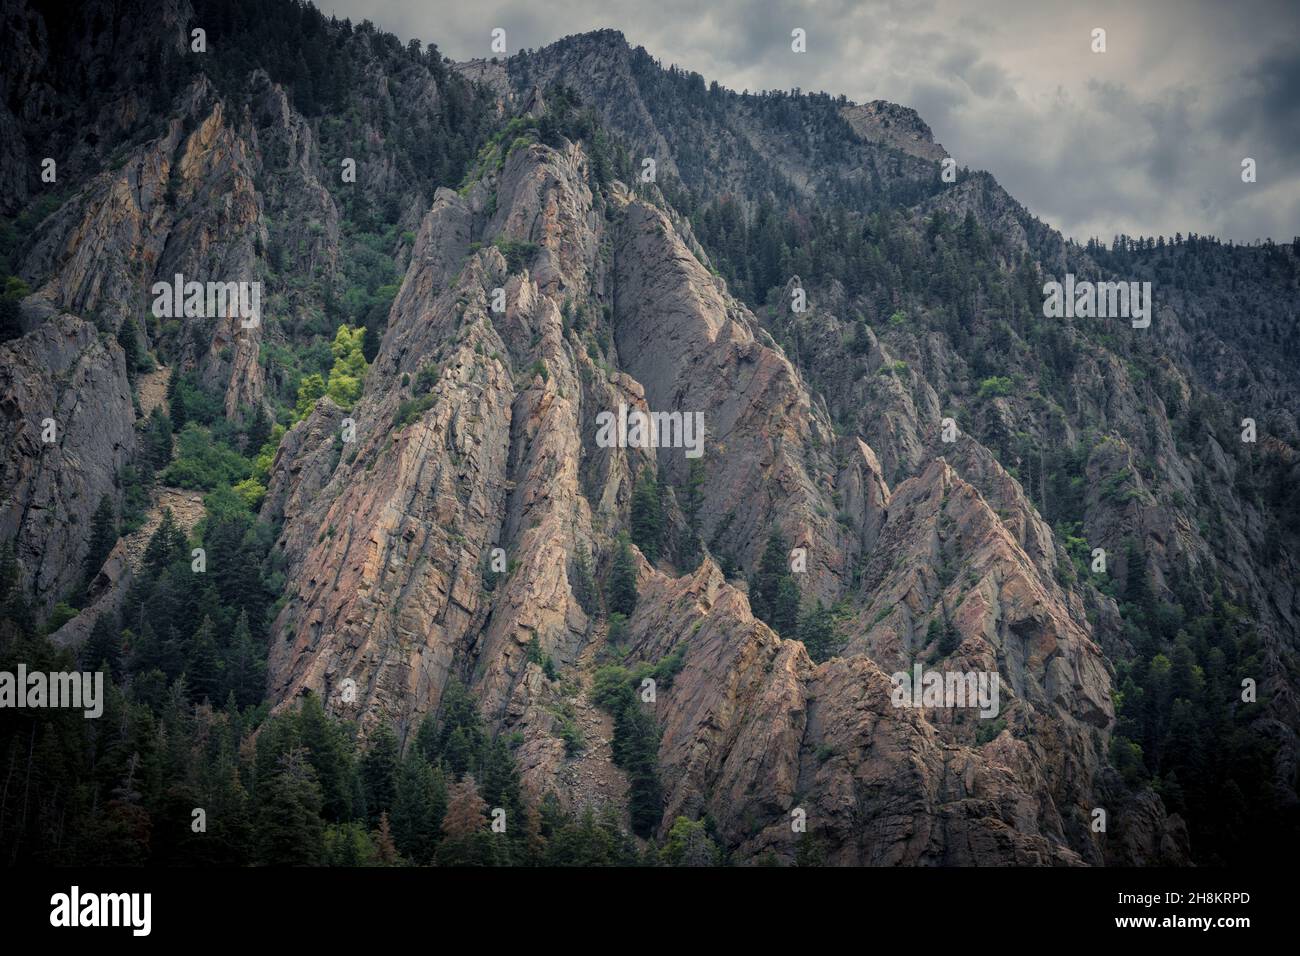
{"points": [[1145, 138]]}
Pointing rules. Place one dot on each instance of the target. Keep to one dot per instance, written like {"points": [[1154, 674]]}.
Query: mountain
{"points": [[429, 584]]}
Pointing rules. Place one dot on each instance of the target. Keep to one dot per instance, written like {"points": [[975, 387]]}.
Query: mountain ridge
{"points": [[473, 430]]}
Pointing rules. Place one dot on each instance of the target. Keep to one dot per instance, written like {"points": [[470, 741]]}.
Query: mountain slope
{"points": [[521, 281]]}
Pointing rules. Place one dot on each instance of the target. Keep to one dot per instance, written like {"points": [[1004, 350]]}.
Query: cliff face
{"points": [[440, 526], [62, 383], [388, 563]]}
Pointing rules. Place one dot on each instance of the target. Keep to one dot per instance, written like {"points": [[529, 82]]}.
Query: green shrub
{"points": [[63, 613], [411, 410], [518, 253], [251, 491], [426, 379], [995, 387], [203, 463], [988, 730]]}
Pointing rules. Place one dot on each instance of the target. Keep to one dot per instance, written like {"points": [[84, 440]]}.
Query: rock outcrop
{"points": [[394, 590], [63, 383]]}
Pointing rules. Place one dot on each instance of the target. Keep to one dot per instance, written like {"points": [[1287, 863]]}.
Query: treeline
{"points": [[953, 263], [188, 766], [321, 60], [1247, 293], [1185, 725], [168, 781], [175, 783], [1187, 720], [699, 122]]}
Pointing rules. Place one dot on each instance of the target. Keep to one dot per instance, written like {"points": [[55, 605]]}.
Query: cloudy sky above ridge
{"points": [[1145, 138]]}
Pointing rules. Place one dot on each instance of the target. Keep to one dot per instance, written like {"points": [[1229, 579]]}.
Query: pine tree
{"points": [[348, 844], [635, 747], [583, 582], [385, 849], [11, 325], [104, 647], [427, 740], [203, 666], [329, 749], [500, 783], [817, 632], [158, 440], [166, 546], [951, 637], [689, 546], [418, 808], [785, 606], [622, 589], [645, 795], [534, 839], [128, 336], [177, 411], [290, 831], [379, 773], [459, 753], [259, 432], [459, 712], [647, 518], [103, 535], [773, 594], [465, 820], [1137, 587], [14, 607], [246, 670]]}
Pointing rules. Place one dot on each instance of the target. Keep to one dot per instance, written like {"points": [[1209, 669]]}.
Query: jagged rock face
{"points": [[414, 511], [491, 74], [100, 250], [754, 733], [37, 54], [217, 193], [183, 204], [897, 126], [216, 230], [694, 349], [536, 298], [388, 561], [305, 460], [386, 564], [64, 373], [943, 544]]}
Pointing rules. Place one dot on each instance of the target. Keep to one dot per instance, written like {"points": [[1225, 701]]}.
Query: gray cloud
{"points": [[1145, 138]]}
